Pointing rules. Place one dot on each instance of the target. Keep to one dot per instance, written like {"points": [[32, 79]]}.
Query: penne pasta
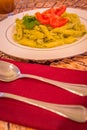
{"points": [[44, 36]]}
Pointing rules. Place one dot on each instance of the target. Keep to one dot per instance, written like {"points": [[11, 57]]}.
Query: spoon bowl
{"points": [[9, 72]]}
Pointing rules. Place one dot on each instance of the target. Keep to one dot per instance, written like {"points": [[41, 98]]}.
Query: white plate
{"points": [[8, 46]]}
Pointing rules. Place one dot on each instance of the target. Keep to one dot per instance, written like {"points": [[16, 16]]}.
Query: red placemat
{"points": [[31, 116]]}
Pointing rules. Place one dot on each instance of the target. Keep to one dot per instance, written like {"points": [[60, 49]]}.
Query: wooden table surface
{"points": [[78, 62]]}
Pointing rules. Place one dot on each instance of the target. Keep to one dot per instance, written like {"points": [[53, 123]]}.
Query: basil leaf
{"points": [[30, 21]]}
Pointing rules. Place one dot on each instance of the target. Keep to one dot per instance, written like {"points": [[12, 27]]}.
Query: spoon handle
{"points": [[79, 89], [76, 113]]}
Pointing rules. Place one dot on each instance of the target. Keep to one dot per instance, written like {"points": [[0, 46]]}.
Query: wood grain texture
{"points": [[3, 125]]}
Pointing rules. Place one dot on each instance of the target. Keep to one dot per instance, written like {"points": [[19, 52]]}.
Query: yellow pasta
{"points": [[41, 36]]}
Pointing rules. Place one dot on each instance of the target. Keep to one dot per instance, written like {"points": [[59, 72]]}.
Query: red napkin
{"points": [[31, 116]]}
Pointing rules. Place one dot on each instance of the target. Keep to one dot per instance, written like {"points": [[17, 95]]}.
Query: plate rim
{"points": [[42, 58]]}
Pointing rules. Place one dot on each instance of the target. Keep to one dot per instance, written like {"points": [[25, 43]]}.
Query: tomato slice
{"points": [[54, 22], [60, 10], [49, 13], [41, 19], [52, 17]]}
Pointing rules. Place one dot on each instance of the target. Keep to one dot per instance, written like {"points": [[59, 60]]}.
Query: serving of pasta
{"points": [[41, 35]]}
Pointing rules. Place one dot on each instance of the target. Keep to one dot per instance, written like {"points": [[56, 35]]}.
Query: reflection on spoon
{"points": [[9, 72]]}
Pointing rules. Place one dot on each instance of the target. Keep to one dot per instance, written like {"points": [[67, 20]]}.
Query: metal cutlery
{"points": [[76, 113], [9, 72]]}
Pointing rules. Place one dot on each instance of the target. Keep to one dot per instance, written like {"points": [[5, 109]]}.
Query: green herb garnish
{"points": [[30, 21]]}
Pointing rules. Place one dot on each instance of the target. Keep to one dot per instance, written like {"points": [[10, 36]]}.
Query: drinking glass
{"points": [[6, 6]]}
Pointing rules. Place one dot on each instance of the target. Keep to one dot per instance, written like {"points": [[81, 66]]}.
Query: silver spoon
{"points": [[10, 72], [76, 113]]}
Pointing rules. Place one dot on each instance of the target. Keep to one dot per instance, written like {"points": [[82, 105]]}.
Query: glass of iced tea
{"points": [[6, 6]]}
